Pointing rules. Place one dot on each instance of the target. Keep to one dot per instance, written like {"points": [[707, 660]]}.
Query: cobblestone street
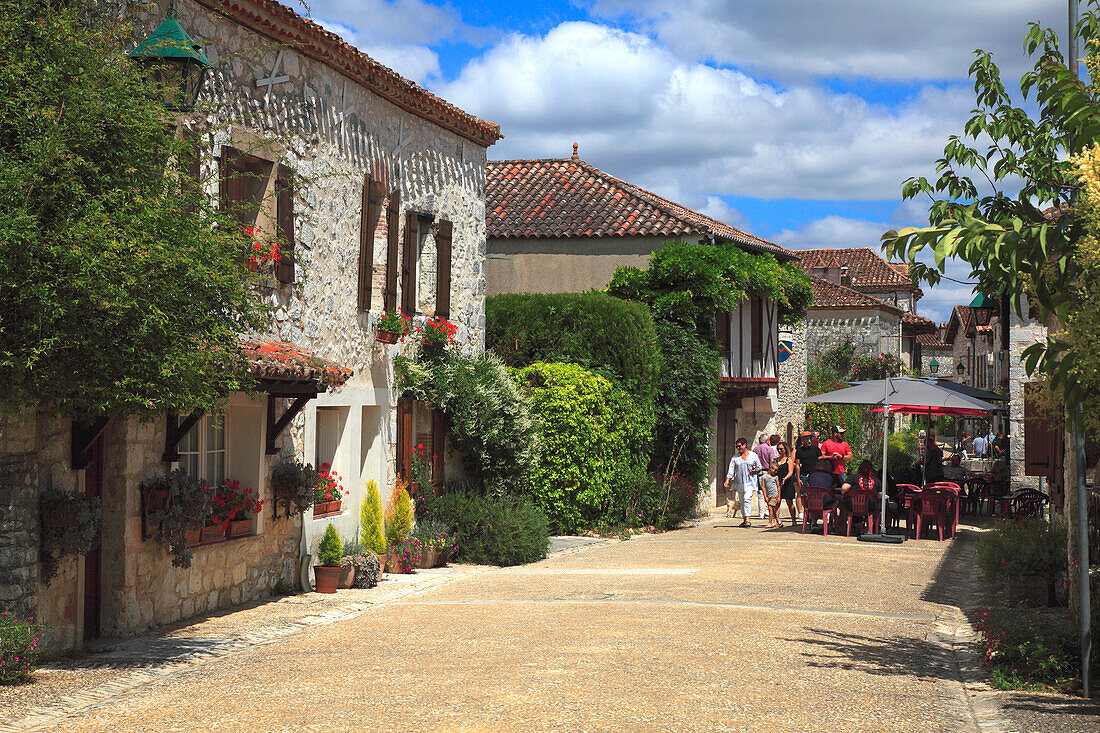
{"points": [[709, 628]]}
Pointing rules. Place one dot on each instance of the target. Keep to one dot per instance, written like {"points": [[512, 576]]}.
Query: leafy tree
{"points": [[121, 287]]}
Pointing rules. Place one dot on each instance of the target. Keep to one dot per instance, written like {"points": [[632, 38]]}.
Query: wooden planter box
{"points": [[326, 508], [386, 337], [428, 558], [210, 535], [240, 527], [193, 537]]}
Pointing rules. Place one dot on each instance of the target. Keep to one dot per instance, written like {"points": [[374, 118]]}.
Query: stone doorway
{"points": [[93, 486]]}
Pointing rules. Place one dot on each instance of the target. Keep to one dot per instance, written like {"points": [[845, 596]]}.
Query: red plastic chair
{"points": [[955, 490], [906, 494], [932, 506], [863, 507], [813, 508]]}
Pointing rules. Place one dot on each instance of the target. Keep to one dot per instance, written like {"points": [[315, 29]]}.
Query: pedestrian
{"points": [[838, 450], [788, 477], [933, 456], [979, 446], [744, 471], [770, 482], [806, 457], [822, 478], [766, 452]]}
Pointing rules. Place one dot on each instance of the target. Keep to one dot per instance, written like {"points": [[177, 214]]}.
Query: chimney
{"points": [[845, 276]]}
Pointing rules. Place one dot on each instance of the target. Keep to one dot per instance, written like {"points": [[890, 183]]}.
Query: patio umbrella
{"points": [[908, 392]]}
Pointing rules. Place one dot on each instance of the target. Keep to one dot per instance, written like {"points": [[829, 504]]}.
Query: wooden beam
{"points": [[176, 431], [275, 427], [84, 433], [288, 389]]}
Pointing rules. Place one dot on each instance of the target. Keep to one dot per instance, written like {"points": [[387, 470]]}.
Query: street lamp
{"points": [[175, 62], [961, 369], [933, 366], [983, 310]]}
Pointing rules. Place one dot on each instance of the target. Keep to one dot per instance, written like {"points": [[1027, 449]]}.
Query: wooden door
{"points": [[93, 486]]}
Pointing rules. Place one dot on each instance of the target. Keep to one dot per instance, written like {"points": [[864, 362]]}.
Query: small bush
{"points": [[18, 648], [611, 337], [487, 530], [70, 526], [399, 516], [330, 550], [408, 551], [902, 454], [1022, 547], [595, 439], [293, 484], [371, 525], [1027, 648]]}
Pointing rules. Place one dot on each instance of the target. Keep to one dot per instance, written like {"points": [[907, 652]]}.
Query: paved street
{"points": [[710, 628]]}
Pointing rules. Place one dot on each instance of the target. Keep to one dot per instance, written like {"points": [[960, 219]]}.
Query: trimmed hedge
{"points": [[487, 530], [596, 439], [611, 337]]}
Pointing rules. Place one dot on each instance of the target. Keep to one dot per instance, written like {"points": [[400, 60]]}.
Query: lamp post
{"points": [[175, 62], [933, 366]]}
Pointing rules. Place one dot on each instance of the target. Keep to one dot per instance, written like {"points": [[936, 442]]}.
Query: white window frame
{"points": [[195, 447]]}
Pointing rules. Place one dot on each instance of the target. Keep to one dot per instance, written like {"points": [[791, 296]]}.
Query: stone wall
{"points": [[18, 538], [792, 385], [945, 359], [873, 332]]}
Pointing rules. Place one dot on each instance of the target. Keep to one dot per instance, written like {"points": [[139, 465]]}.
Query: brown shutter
{"points": [[722, 327], [443, 269], [404, 436], [284, 222], [230, 183], [372, 196], [408, 263], [756, 323], [439, 437], [393, 227]]}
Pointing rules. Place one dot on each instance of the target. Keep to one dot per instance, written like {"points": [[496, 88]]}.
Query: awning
{"points": [[280, 362]]}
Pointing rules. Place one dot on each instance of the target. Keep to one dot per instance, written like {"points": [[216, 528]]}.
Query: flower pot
{"points": [[386, 337], [326, 508], [347, 575], [240, 527], [395, 565], [156, 500], [427, 558], [213, 534], [382, 560], [414, 489], [327, 579], [441, 557], [193, 536]]}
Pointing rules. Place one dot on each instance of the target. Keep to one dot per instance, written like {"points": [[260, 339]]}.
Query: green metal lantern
{"points": [[983, 310], [175, 62], [934, 365]]}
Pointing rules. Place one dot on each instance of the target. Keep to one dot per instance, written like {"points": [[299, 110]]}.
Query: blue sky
{"points": [[793, 119]]}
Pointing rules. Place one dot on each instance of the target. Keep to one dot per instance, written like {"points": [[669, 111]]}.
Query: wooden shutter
{"points": [[393, 226], [191, 171], [443, 268], [372, 197], [230, 182], [1043, 443], [404, 435], [722, 328], [756, 323], [408, 263], [284, 224], [439, 436]]}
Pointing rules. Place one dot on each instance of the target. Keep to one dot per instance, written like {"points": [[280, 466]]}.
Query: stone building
{"points": [[840, 314], [376, 187], [562, 225]]}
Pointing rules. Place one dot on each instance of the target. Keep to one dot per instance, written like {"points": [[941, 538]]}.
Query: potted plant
{"points": [[392, 327], [263, 252], [239, 505], [293, 484], [431, 535], [329, 551], [371, 524], [184, 513], [406, 555], [328, 493], [399, 520], [437, 333], [70, 526]]}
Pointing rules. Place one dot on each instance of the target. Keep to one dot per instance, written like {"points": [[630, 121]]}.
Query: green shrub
{"points": [[399, 516], [330, 549], [611, 337], [592, 431], [371, 525], [509, 530], [1022, 547], [684, 404], [902, 454], [489, 422], [19, 641], [1028, 648]]}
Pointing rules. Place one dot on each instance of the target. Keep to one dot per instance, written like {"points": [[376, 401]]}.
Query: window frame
{"points": [[199, 434]]}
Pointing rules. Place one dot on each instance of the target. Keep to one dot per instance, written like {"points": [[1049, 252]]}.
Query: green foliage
{"points": [[865, 368], [371, 525], [611, 337], [1022, 547], [826, 372], [684, 404], [19, 642], [121, 290], [509, 530], [399, 516], [330, 549], [70, 526], [902, 454], [293, 484], [489, 422], [595, 437], [689, 283], [1031, 648], [187, 507]]}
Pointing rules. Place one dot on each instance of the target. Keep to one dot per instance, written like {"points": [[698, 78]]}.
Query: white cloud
{"points": [[876, 39], [642, 113], [832, 231]]}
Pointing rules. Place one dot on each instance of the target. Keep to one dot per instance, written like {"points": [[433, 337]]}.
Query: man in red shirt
{"points": [[838, 451]]}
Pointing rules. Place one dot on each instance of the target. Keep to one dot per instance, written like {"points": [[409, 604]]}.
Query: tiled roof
{"points": [[286, 27], [562, 198], [830, 295], [866, 268], [913, 323], [284, 362], [930, 342]]}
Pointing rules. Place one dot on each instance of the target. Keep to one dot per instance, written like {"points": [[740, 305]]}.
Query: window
{"points": [[757, 326], [722, 329], [393, 226], [203, 450], [244, 181], [284, 223], [368, 227]]}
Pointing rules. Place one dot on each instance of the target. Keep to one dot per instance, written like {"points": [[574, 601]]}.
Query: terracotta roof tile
{"points": [[284, 362], [830, 295], [930, 342], [866, 268], [566, 197], [914, 324]]}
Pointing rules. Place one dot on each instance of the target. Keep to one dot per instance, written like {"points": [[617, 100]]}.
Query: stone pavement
{"points": [[709, 628]]}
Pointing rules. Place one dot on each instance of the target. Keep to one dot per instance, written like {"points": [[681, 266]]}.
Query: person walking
{"points": [[744, 471], [770, 490], [766, 452], [979, 446], [806, 457], [838, 451], [788, 478]]}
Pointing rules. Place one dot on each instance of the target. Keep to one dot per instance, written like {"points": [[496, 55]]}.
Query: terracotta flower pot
{"points": [[386, 337], [382, 560], [347, 575], [441, 557], [193, 537], [327, 579], [326, 508], [240, 527], [215, 533], [395, 565], [427, 558]]}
